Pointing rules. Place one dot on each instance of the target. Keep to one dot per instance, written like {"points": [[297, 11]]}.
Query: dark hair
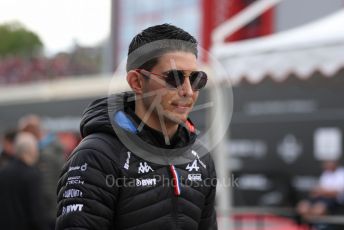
{"points": [[10, 135], [159, 40]]}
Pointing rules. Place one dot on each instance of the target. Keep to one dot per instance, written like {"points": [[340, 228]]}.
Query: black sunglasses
{"points": [[175, 78]]}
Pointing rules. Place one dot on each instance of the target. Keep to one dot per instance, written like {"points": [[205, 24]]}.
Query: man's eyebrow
{"points": [[180, 69]]}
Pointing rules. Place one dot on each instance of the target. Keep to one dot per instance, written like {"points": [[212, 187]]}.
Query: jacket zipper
{"points": [[175, 193]]}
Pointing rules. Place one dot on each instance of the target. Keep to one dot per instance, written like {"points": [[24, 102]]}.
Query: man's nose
{"points": [[186, 88]]}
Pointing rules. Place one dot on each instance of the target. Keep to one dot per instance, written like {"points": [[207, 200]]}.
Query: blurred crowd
{"points": [[30, 163], [16, 69]]}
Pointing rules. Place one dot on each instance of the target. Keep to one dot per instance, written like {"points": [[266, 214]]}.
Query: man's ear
{"points": [[135, 82]]}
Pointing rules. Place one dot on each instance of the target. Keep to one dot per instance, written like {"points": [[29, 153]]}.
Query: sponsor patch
{"points": [[74, 180], [82, 168], [193, 166], [146, 182], [195, 177], [72, 208], [144, 168], [71, 193]]}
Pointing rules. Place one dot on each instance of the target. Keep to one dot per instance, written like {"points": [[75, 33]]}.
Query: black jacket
{"points": [[108, 184], [21, 197], [4, 158]]}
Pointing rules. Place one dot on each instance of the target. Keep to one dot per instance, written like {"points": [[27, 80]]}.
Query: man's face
{"points": [[329, 165], [171, 106], [8, 147]]}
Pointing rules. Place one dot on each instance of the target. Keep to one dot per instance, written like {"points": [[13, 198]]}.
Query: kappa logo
{"points": [[194, 166], [146, 182], [72, 208], [126, 165], [144, 168], [195, 177]]}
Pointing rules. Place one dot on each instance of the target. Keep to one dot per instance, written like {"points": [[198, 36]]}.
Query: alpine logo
{"points": [[72, 208], [145, 168], [146, 182], [194, 166], [126, 165]]}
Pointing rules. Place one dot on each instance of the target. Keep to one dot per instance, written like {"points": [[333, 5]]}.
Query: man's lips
{"points": [[182, 105], [182, 108]]}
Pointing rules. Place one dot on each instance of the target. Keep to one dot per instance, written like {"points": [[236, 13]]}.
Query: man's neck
{"points": [[154, 122]]}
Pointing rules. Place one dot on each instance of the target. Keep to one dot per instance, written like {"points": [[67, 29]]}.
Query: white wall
{"points": [[292, 13]]}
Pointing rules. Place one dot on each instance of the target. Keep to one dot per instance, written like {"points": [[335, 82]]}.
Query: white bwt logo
{"points": [[146, 182], [72, 208]]}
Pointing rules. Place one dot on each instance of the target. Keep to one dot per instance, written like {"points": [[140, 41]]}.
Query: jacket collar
{"points": [[128, 120]]}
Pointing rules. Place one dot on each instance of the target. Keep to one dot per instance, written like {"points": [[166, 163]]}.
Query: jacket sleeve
{"points": [[87, 192], [208, 218]]}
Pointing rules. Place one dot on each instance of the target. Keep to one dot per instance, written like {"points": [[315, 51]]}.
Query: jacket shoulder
{"points": [[101, 145], [86, 200]]}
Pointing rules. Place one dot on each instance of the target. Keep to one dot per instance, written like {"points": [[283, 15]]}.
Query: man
{"points": [[7, 152], [50, 163], [139, 165], [326, 197], [20, 197]]}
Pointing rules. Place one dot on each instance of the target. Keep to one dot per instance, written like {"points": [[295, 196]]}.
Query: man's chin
{"points": [[176, 118]]}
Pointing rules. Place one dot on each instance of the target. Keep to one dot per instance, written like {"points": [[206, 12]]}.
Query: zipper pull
{"points": [[175, 180]]}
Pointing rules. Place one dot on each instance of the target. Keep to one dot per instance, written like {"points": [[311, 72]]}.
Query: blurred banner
{"points": [[280, 133], [217, 12]]}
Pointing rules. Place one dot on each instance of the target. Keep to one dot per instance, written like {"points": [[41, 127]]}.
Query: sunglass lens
{"points": [[198, 80], [175, 78]]}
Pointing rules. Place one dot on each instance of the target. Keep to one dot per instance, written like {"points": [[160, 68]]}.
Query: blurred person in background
{"points": [[20, 190], [325, 197], [7, 152], [50, 163], [69, 140]]}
